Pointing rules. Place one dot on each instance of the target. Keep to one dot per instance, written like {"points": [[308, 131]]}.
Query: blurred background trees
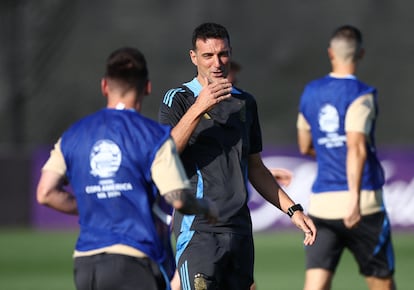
{"points": [[52, 57]]}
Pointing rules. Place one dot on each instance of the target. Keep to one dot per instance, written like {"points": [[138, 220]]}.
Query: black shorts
{"points": [[121, 272], [216, 261], [369, 242]]}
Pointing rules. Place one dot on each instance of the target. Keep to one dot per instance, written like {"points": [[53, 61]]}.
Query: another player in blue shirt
{"points": [[336, 124], [120, 164]]}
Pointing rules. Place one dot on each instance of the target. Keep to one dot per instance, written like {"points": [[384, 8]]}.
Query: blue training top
{"points": [[324, 104], [109, 156]]}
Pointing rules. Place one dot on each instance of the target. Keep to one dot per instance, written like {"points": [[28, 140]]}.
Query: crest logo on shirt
{"points": [[328, 119], [105, 158], [329, 123]]}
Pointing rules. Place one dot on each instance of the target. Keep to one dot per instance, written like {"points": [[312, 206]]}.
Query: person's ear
{"points": [[104, 87], [330, 53], [361, 53], [193, 57], [148, 88]]}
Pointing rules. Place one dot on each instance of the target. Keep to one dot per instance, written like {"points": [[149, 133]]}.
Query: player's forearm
{"points": [[60, 200], [262, 180], [265, 184], [181, 133], [50, 192], [183, 201], [266, 188], [356, 158], [305, 143], [276, 196]]}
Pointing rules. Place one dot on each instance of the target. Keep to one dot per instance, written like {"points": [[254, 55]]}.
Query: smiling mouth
{"points": [[218, 74]]}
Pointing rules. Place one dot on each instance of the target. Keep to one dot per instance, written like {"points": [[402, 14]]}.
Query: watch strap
{"points": [[291, 210]]}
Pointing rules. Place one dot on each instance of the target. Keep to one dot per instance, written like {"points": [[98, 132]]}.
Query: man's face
{"points": [[212, 58]]}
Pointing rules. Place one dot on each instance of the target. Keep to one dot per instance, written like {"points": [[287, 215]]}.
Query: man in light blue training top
{"points": [[336, 123]]}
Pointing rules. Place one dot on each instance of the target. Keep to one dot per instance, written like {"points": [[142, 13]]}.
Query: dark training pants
{"points": [[212, 261], [117, 272]]}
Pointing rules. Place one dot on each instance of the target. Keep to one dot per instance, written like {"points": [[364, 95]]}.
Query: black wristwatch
{"points": [[291, 210]]}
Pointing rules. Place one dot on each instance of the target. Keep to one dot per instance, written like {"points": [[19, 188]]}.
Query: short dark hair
{"points": [[128, 66], [348, 32], [209, 30]]}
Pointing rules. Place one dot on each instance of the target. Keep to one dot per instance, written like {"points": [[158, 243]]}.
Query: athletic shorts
{"points": [[114, 271], [209, 261], [369, 242]]}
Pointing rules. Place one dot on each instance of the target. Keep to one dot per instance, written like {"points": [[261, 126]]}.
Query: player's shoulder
{"points": [[318, 81], [365, 86], [176, 93], [84, 121], [179, 90], [241, 93]]}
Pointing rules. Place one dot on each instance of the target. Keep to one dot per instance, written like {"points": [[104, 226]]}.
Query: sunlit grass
{"points": [[42, 260]]}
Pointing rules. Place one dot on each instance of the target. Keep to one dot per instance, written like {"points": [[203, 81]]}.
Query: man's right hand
{"points": [[213, 93], [186, 203]]}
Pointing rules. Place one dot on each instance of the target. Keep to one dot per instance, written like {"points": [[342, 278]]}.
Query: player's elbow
{"points": [[42, 195], [357, 149], [303, 150], [357, 153], [41, 198], [307, 150]]}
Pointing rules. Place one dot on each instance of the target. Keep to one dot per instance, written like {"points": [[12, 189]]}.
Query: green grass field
{"points": [[41, 260], [280, 263]]}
